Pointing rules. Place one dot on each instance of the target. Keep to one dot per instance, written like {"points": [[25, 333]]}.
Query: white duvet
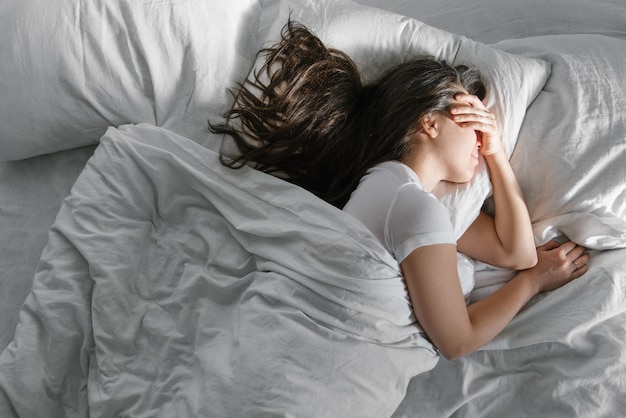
{"points": [[173, 286]]}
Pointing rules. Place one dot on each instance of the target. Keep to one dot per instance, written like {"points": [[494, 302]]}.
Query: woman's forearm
{"points": [[456, 329], [490, 315], [512, 222], [437, 298], [558, 264]]}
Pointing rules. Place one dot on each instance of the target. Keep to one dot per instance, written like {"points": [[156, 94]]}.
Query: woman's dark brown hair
{"points": [[307, 117]]}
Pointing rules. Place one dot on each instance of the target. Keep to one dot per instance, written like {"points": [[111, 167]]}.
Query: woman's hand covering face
{"points": [[469, 112]]}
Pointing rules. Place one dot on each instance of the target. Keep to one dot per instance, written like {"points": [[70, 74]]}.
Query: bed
{"points": [[139, 277]]}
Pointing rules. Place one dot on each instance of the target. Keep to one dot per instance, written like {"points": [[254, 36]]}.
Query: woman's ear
{"points": [[430, 125]]}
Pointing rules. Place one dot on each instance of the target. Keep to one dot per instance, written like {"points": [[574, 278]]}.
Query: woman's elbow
{"points": [[521, 259], [454, 351], [454, 355], [526, 260]]}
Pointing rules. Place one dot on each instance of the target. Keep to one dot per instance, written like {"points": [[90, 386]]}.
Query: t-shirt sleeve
{"points": [[416, 219]]}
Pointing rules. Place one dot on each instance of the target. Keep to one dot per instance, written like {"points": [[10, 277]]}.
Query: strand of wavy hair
{"points": [[297, 116]]}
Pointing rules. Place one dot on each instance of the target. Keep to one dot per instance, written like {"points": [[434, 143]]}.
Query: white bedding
{"points": [[563, 356], [77, 67], [153, 293], [31, 192], [575, 141], [491, 21]]}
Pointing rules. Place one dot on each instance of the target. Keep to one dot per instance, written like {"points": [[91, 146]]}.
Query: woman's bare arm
{"points": [[438, 302], [505, 240]]}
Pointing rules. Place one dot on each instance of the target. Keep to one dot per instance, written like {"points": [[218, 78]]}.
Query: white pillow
{"points": [[71, 68], [378, 40], [571, 156]]}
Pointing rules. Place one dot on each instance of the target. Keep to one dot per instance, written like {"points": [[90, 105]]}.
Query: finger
{"points": [[460, 117], [460, 108], [485, 128], [576, 253], [567, 247], [581, 261], [465, 116], [580, 271], [469, 98]]}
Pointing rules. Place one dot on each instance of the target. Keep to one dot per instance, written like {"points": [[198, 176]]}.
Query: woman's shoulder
{"points": [[382, 184], [396, 207], [395, 172]]}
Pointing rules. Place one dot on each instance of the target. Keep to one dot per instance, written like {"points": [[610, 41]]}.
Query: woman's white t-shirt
{"points": [[394, 204]]}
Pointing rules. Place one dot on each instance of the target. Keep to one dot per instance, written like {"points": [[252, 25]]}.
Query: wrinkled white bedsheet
{"points": [[173, 286], [564, 356]]}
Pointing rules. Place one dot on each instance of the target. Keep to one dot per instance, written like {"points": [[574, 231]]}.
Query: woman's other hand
{"points": [[558, 264]]}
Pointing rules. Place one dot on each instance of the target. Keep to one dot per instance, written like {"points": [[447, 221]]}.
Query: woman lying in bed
{"points": [[378, 151]]}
